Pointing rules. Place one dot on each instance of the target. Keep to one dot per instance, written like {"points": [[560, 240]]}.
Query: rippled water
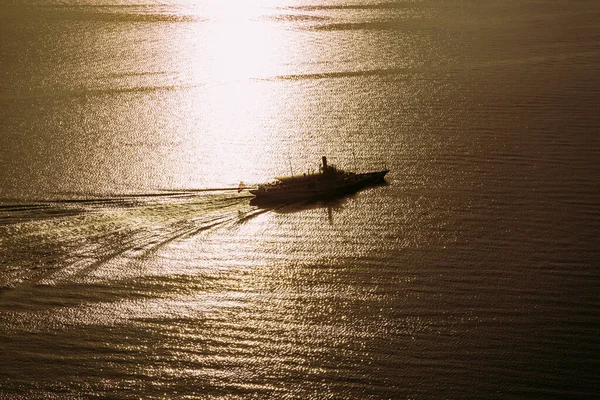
{"points": [[472, 273]]}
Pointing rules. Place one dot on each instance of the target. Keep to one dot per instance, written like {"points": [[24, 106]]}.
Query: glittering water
{"points": [[472, 273]]}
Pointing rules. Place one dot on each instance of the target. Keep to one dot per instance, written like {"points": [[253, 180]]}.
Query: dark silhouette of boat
{"points": [[329, 181]]}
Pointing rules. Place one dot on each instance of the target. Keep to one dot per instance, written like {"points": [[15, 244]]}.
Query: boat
{"points": [[328, 181]]}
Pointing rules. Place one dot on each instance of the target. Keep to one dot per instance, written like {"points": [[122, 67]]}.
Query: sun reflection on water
{"points": [[236, 41], [230, 120], [240, 50]]}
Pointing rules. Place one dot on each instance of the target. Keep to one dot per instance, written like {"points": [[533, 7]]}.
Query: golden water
{"points": [[471, 274]]}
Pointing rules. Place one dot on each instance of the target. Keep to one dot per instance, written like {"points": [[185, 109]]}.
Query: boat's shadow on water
{"points": [[330, 203]]}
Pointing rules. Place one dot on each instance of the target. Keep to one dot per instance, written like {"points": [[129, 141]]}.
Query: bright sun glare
{"points": [[233, 46]]}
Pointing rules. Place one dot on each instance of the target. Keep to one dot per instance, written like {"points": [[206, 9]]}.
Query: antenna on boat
{"points": [[354, 156], [290, 161]]}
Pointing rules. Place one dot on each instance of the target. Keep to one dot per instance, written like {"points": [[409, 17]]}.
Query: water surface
{"points": [[471, 274]]}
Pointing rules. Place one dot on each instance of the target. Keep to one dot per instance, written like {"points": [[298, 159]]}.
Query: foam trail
{"points": [[47, 243]]}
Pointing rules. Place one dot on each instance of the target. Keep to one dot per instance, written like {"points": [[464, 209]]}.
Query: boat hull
{"points": [[331, 189]]}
